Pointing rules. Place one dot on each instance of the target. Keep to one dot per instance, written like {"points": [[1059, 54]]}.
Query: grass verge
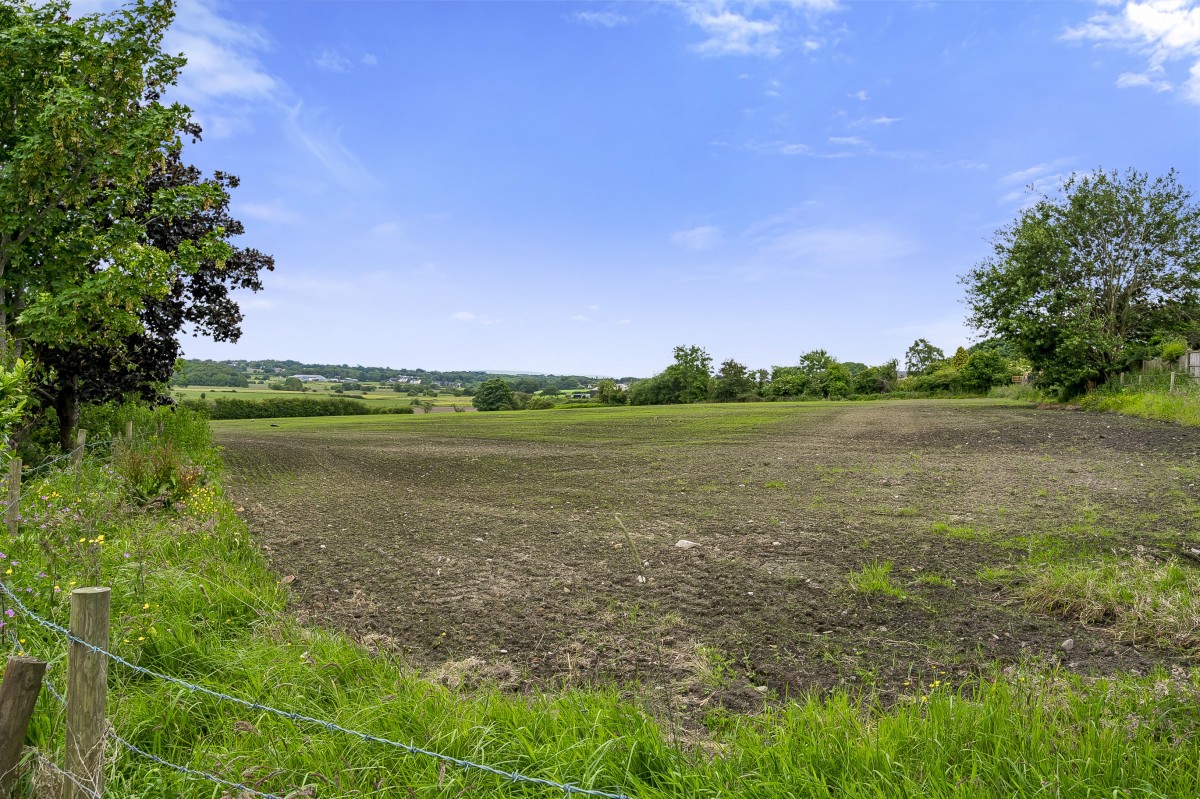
{"points": [[193, 598]]}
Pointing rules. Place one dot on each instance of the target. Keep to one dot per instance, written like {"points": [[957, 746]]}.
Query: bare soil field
{"points": [[494, 546]]}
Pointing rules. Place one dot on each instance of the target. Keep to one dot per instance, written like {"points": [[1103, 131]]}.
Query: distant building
{"points": [[310, 378]]}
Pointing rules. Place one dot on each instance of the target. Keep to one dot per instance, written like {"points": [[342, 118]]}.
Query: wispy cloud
{"points": [[1127, 80], [1029, 173], [1162, 31], [853, 141], [332, 61], [753, 27], [463, 316], [221, 61], [784, 245], [697, 239], [1025, 184], [324, 144], [861, 94], [885, 120], [599, 19], [368, 59], [267, 212]]}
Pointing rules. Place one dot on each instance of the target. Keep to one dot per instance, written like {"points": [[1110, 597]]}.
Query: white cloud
{"points": [[1127, 80], [861, 94], [332, 61], [855, 141], [222, 56], [1162, 31], [697, 239], [885, 120], [267, 212], [730, 33], [599, 19], [463, 316], [368, 59], [325, 145], [1035, 171]]}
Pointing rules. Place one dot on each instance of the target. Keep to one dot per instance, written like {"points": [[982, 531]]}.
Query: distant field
{"points": [[837, 543], [387, 398]]}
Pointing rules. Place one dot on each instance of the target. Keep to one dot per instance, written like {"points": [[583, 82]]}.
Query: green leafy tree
{"points": [[788, 381], [983, 370], [960, 358], [82, 131], [732, 382], [686, 380], [1084, 279], [494, 395], [608, 393], [921, 356]]}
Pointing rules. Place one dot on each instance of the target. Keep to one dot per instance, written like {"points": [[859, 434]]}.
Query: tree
{"points": [[82, 130], [608, 393], [984, 369], [686, 380], [1084, 279], [198, 296], [732, 382], [494, 395], [922, 355]]}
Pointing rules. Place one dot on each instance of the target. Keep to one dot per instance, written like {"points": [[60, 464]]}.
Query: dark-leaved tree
{"points": [[199, 300]]}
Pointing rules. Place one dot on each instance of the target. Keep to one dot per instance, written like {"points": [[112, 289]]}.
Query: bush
{"points": [[284, 407]]}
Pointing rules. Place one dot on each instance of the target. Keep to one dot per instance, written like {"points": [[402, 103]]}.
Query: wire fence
{"points": [[568, 789]]}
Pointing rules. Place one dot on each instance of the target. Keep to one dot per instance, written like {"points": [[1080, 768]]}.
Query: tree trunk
{"points": [[66, 405]]}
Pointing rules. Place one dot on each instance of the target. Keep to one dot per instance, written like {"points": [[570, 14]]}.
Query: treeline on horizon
{"points": [[237, 374]]}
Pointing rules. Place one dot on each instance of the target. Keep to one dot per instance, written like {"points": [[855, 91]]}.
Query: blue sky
{"points": [[578, 187]]}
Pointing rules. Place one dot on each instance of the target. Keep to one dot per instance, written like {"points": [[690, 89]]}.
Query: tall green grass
{"points": [[1150, 396], [192, 597]]}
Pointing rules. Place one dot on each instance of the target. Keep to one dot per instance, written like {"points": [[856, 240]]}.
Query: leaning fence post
{"points": [[80, 443], [87, 685], [13, 511], [18, 697]]}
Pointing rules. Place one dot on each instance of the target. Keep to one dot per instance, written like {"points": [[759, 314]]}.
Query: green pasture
{"points": [[385, 398]]}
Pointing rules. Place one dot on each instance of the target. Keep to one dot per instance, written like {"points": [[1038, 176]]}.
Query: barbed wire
{"points": [[190, 771], [46, 681], [68, 776], [513, 776]]}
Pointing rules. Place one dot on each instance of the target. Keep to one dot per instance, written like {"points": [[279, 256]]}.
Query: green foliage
{"points": [[1080, 282], [80, 137], [921, 356], [984, 369], [494, 395], [14, 396], [607, 393], [208, 373], [732, 383], [685, 381], [284, 407], [1173, 348]]}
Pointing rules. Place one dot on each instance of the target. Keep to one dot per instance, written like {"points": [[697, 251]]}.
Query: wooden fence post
{"points": [[87, 687], [80, 443], [1172, 381], [14, 500], [129, 432], [1122, 378], [18, 697]]}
